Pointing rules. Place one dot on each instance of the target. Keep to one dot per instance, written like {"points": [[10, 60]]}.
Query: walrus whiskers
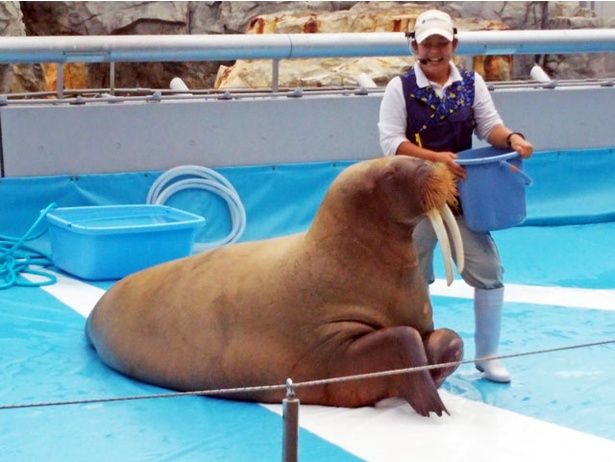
{"points": [[440, 188]]}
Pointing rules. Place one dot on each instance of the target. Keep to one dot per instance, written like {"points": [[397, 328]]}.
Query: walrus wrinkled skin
{"points": [[343, 298]]}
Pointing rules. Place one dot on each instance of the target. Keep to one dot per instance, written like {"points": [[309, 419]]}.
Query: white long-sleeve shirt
{"points": [[393, 118]]}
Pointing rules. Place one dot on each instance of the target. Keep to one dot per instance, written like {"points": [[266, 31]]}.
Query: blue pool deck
{"points": [[560, 274]]}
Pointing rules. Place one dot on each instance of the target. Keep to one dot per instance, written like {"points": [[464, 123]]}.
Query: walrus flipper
{"points": [[387, 349]]}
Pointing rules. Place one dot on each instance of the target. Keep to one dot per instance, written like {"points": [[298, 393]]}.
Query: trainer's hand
{"points": [[450, 160], [524, 148]]}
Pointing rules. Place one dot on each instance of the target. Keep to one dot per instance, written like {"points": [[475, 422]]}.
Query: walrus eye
{"points": [[436, 218]]}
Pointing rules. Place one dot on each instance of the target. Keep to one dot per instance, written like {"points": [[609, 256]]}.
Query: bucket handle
{"points": [[515, 169]]}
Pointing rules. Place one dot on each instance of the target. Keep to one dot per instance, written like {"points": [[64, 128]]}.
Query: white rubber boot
{"points": [[488, 317]]}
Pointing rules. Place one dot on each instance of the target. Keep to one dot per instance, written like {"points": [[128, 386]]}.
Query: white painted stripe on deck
{"points": [[601, 299], [477, 432], [78, 295]]}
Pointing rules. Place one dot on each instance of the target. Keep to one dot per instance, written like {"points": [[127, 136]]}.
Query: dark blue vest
{"points": [[443, 124]]}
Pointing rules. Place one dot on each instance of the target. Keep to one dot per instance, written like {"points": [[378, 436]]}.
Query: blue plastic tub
{"points": [[110, 242], [493, 194]]}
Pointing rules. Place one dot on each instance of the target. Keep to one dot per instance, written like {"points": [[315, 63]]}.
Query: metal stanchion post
{"points": [[290, 417], [275, 75], [60, 80]]}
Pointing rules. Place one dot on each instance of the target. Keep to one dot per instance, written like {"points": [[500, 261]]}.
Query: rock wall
{"points": [[18, 78], [362, 17], [209, 17]]}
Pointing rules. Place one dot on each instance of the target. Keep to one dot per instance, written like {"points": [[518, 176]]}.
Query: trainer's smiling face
{"points": [[437, 51]]}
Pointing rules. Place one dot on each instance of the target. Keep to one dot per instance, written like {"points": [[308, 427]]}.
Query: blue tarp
{"points": [[570, 187]]}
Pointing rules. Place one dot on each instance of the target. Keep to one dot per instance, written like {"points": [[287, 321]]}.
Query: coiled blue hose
{"points": [[16, 258], [198, 177]]}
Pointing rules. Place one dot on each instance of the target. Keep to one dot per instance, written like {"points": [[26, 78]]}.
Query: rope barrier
{"points": [[16, 257], [295, 385]]}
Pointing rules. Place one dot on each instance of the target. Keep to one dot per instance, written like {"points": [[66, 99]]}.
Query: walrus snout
{"points": [[429, 187]]}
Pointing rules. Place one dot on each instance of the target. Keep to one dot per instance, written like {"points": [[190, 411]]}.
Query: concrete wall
{"points": [[140, 136]]}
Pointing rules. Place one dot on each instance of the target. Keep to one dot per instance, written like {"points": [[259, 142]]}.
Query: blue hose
{"points": [[16, 258], [198, 177]]}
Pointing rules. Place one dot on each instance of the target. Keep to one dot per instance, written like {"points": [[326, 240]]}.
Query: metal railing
{"points": [[174, 48], [156, 48]]}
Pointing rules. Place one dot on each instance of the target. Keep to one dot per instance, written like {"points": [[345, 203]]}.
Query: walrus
{"points": [[345, 297]]}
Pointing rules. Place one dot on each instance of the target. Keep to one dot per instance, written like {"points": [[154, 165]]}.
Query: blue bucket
{"points": [[493, 193]]}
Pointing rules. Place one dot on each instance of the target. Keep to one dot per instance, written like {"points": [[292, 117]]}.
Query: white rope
{"points": [[295, 385]]}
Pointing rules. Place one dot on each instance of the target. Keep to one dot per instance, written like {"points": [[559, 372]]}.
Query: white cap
{"points": [[433, 22]]}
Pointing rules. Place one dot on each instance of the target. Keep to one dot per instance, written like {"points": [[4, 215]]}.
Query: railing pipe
{"points": [[531, 42], [275, 75], [156, 48]]}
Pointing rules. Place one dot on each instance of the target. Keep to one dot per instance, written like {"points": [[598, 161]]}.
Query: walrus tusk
{"points": [[453, 231], [438, 218], [438, 226]]}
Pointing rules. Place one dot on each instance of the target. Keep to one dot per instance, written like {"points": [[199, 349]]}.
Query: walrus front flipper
{"points": [[443, 346], [386, 349]]}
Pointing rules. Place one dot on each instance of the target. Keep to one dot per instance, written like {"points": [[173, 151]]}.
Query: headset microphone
{"points": [[410, 37], [423, 61]]}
